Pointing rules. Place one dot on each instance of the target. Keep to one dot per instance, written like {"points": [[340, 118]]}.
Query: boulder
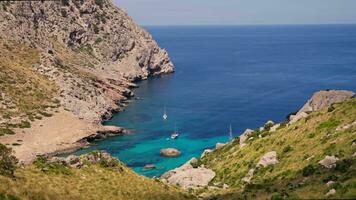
{"points": [[192, 178], [249, 176], [330, 183], [170, 152], [245, 136], [329, 161], [269, 158], [321, 100], [186, 176], [331, 192]]}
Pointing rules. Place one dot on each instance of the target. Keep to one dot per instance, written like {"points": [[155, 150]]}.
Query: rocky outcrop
{"points": [[249, 176], [245, 136], [188, 177], [91, 49], [321, 100], [269, 158], [79, 161], [170, 152], [329, 161]]}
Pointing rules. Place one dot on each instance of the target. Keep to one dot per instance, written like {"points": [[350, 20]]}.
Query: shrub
{"points": [[100, 3], [25, 124], [7, 161], [7, 131], [7, 197], [64, 13], [55, 168], [96, 29], [343, 165], [276, 196], [331, 123], [287, 149], [308, 170]]}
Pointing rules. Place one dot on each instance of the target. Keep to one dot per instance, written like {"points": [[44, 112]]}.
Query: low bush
{"points": [[7, 161], [4, 131], [308, 170]]}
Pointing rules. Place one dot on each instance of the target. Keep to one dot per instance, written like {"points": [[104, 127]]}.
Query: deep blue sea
{"points": [[238, 75]]}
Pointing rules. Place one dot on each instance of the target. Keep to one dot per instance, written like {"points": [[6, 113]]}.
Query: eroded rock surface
{"points": [[321, 100], [188, 177], [269, 158]]}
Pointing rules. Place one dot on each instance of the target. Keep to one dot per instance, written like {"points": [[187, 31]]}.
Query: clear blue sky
{"points": [[224, 12]]}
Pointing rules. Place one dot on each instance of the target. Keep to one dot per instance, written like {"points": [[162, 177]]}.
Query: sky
{"points": [[234, 12]]}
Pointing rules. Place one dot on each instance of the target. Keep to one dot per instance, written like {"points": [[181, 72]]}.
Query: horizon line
{"points": [[252, 24]]}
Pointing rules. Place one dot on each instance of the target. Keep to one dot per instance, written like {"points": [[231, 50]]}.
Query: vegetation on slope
{"points": [[25, 94], [104, 180], [299, 147]]}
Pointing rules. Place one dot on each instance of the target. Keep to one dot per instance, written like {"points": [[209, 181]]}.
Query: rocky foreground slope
{"points": [[73, 59], [312, 155]]}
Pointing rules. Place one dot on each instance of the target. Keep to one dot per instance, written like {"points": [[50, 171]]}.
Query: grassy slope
{"points": [[313, 137], [93, 182], [26, 94]]}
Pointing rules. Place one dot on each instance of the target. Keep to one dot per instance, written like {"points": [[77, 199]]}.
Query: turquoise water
{"points": [[239, 75]]}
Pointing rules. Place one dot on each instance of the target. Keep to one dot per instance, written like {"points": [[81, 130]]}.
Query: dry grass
{"points": [[24, 92], [93, 182], [313, 138]]}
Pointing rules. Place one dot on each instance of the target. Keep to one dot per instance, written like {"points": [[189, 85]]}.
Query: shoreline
{"points": [[64, 132]]}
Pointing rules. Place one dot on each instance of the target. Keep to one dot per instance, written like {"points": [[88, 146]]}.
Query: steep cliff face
{"points": [[91, 50]]}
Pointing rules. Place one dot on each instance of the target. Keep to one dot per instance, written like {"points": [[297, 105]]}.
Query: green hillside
{"points": [[105, 180], [299, 148]]}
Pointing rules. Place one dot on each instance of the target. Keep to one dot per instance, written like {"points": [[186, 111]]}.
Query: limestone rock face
{"points": [[321, 100], [245, 136], [91, 49], [170, 152], [188, 177], [269, 158], [329, 161]]}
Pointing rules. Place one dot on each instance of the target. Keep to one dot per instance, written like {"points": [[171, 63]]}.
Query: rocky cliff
{"points": [[91, 50]]}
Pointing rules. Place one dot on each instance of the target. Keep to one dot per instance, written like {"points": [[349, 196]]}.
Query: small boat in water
{"points": [[165, 116], [175, 134]]}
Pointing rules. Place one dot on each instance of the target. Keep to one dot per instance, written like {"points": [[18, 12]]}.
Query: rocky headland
{"points": [[66, 66]]}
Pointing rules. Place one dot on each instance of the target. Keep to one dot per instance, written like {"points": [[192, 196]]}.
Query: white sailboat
{"points": [[175, 134], [231, 136], [165, 116]]}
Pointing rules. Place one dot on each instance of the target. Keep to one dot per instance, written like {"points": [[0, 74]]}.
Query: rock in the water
{"points": [[321, 100], [269, 158], [331, 192], [245, 136], [329, 161], [170, 152], [149, 167]]}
